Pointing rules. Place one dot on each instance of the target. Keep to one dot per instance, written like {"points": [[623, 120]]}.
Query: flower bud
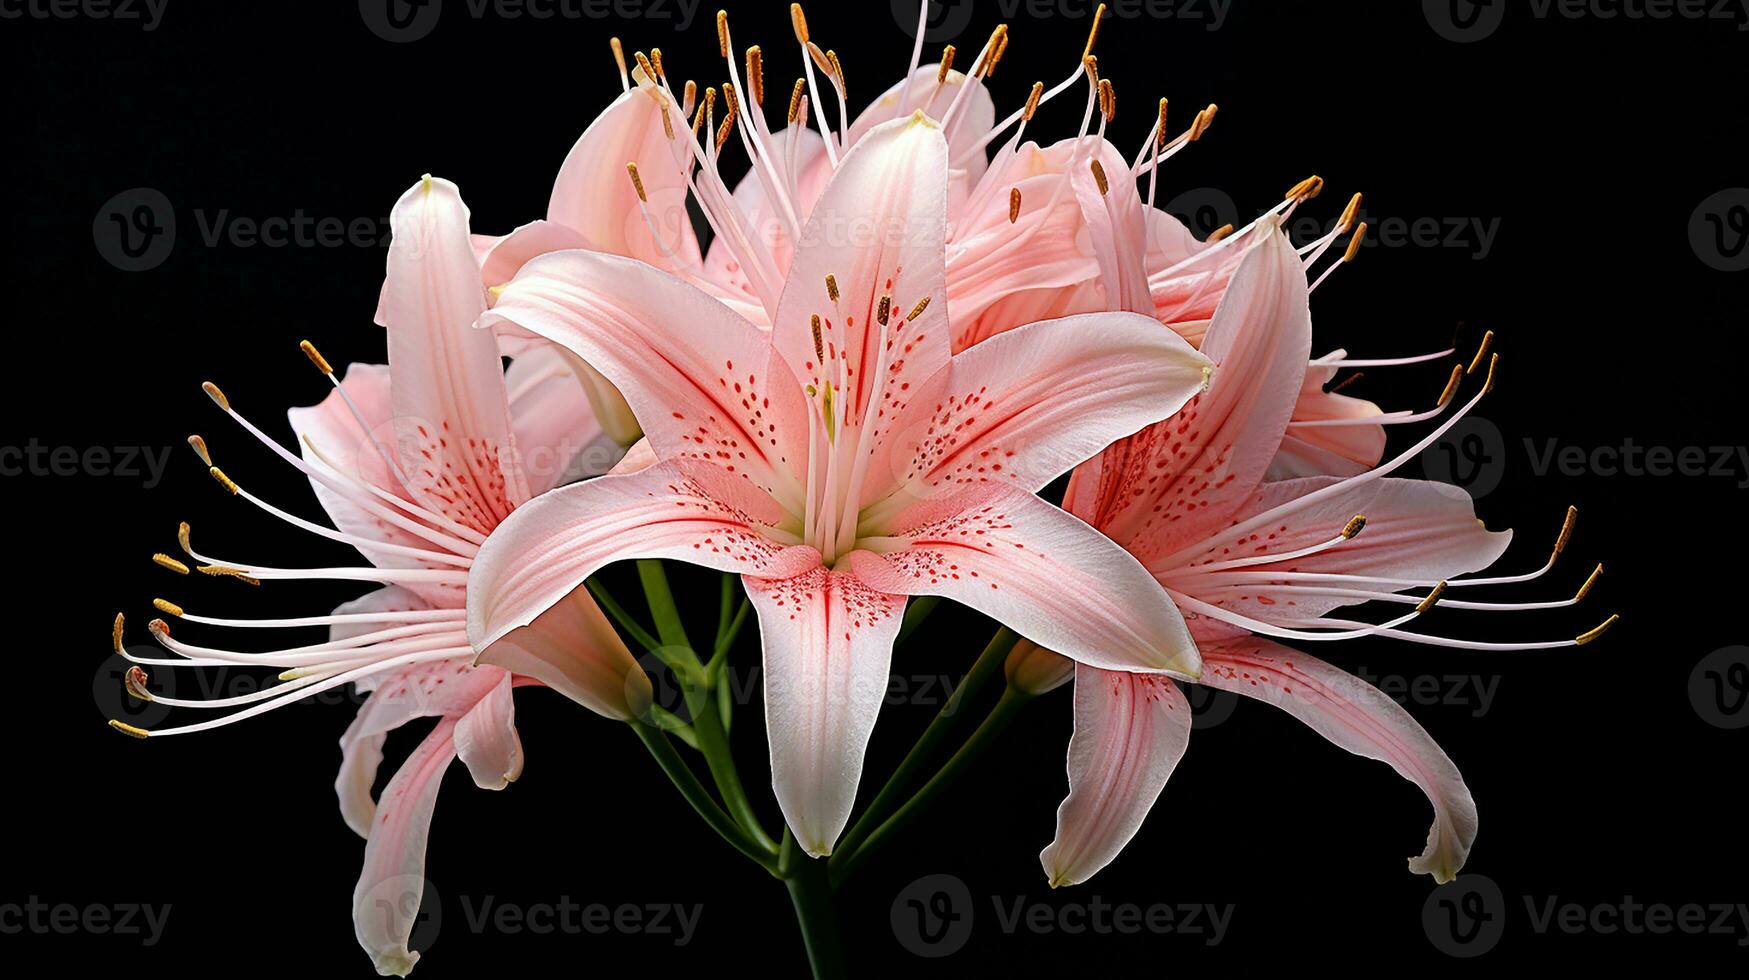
{"points": [[1035, 670], [573, 649]]}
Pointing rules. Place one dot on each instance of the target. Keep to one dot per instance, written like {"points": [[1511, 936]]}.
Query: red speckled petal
{"points": [[385, 903], [1130, 732], [1035, 568], [695, 513], [828, 641], [1358, 717], [703, 382], [1024, 407], [451, 422], [1159, 489]]}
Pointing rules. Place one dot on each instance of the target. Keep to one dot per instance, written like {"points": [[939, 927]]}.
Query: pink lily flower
{"points": [[416, 464], [845, 459], [1250, 562]]}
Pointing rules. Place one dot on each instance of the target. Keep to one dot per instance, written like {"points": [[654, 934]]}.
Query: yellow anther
{"points": [[199, 446], [662, 104], [1306, 189], [1107, 100], [166, 606], [731, 102], [315, 357], [1566, 533], [656, 58], [1493, 362], [884, 310], [182, 538], [819, 57], [798, 22], [1355, 243], [1590, 580], [644, 65], [1093, 32], [1602, 628], [1090, 65], [996, 53], [947, 54], [1354, 526], [917, 311], [819, 340], [831, 287], [619, 55], [225, 571], [1487, 342], [724, 130], [1013, 204], [1160, 127], [1432, 598], [756, 74], [795, 99], [689, 96], [1451, 386], [127, 729], [637, 181], [1219, 233], [224, 481], [218, 397], [1350, 213], [115, 631], [837, 69], [165, 561], [723, 33], [1099, 177], [1032, 99]]}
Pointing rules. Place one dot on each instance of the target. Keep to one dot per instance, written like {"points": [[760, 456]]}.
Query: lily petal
{"points": [[443, 688], [1184, 477], [1355, 716], [703, 382], [573, 649], [696, 513], [877, 231], [1415, 529], [1130, 731], [1328, 450], [1045, 574], [594, 196], [485, 735], [828, 641], [385, 903], [1027, 405], [559, 436], [451, 420]]}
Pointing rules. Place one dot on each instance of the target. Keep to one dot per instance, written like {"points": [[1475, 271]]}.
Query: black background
{"points": [[1591, 140]]}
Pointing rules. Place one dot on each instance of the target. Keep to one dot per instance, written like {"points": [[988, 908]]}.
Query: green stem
{"points": [[845, 862], [988, 664], [915, 613], [625, 619], [699, 797], [661, 600], [810, 891], [713, 741]]}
